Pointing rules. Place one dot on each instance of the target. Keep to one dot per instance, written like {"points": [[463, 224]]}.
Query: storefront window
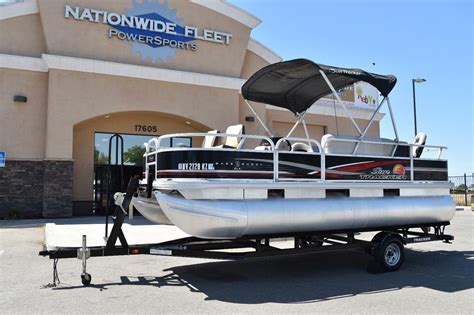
{"points": [[8, 2], [133, 148]]}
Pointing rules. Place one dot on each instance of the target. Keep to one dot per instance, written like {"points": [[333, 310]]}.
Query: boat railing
{"points": [[158, 141], [311, 143], [395, 145], [154, 145]]}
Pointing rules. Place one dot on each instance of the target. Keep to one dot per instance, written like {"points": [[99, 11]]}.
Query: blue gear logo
{"points": [[154, 10]]}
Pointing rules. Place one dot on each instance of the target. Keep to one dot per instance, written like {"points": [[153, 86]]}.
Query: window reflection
{"points": [[133, 148]]}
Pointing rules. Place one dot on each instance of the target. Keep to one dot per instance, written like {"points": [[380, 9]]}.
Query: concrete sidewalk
{"points": [[68, 232], [463, 208]]}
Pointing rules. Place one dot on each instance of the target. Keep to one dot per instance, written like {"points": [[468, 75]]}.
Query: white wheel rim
{"points": [[392, 255]]}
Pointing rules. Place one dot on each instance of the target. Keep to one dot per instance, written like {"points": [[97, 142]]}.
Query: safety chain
{"points": [[56, 280]]}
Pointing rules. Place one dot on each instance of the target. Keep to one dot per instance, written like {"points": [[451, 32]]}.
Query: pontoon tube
{"points": [[232, 219]]}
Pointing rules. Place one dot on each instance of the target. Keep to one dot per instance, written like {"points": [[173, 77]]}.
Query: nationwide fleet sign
{"points": [[152, 28]]}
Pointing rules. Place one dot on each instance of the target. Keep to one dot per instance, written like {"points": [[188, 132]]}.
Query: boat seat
{"points": [[232, 142], [301, 147], [332, 146], [210, 140], [420, 139], [284, 146], [265, 146]]}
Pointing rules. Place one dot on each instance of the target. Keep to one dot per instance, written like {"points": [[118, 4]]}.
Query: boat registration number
{"points": [[195, 166]]}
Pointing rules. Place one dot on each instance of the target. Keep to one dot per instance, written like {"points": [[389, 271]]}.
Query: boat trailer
{"points": [[387, 246]]}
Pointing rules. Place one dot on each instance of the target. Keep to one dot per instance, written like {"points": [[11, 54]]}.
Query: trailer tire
{"points": [[86, 279], [378, 237], [390, 253], [374, 243]]}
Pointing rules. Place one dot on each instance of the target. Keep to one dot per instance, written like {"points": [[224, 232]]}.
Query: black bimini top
{"points": [[297, 84]]}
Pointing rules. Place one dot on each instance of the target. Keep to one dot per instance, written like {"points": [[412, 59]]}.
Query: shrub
{"points": [[14, 214]]}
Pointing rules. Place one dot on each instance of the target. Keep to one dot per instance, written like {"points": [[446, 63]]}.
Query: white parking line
{"points": [[1, 252]]}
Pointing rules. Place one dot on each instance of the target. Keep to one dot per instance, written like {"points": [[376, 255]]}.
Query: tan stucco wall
{"points": [[74, 97], [282, 128], [23, 125], [252, 127], [252, 63], [22, 36], [344, 125], [123, 122], [85, 39]]}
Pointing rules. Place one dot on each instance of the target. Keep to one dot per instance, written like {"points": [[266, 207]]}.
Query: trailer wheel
{"points": [[374, 243], [86, 279], [378, 237], [390, 253]]}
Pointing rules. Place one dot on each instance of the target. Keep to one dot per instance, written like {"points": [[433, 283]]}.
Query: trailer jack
{"points": [[83, 254]]}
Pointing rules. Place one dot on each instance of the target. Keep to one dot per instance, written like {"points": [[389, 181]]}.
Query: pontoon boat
{"points": [[265, 185]]}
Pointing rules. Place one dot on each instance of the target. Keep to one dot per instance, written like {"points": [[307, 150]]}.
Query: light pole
{"points": [[413, 81]]}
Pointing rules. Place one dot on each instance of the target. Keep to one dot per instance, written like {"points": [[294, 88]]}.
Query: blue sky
{"points": [[410, 39]]}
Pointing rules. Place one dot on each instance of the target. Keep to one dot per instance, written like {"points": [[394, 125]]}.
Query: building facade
{"points": [[74, 72]]}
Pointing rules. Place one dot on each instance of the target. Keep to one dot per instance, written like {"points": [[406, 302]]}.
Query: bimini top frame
{"points": [[297, 84]]}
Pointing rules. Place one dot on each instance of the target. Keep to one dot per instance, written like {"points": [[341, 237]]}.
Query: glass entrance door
{"points": [[133, 150]]}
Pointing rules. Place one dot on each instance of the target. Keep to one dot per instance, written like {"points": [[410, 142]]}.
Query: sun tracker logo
{"points": [[398, 170], [153, 29], [344, 71], [380, 173]]}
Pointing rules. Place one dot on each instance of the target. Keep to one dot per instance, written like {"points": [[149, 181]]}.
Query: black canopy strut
{"points": [[297, 84]]}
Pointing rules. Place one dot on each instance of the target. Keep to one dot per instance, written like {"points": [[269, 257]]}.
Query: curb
{"points": [[463, 208], [15, 224]]}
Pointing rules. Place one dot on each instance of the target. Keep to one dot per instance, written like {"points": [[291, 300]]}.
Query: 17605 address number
{"points": [[146, 128]]}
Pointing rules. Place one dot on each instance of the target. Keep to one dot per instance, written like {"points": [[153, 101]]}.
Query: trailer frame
{"points": [[253, 246]]}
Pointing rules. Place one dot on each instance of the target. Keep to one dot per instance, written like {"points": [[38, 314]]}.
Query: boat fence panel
{"points": [[293, 158]]}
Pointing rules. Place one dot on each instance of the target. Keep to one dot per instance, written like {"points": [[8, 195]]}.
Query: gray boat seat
{"points": [[232, 142], [282, 146], [301, 147], [331, 145], [210, 140]]}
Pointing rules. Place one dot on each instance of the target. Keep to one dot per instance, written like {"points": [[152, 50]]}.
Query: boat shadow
{"points": [[312, 278]]}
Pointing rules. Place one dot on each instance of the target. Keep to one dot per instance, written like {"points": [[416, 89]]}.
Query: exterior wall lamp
{"points": [[20, 99]]}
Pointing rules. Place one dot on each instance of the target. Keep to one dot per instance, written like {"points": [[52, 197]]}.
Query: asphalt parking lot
{"points": [[435, 278]]}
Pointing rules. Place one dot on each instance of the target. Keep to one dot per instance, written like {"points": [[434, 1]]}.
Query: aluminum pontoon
{"points": [[265, 185]]}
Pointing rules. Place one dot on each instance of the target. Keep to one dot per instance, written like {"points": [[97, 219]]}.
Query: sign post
{"points": [[3, 156]]}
